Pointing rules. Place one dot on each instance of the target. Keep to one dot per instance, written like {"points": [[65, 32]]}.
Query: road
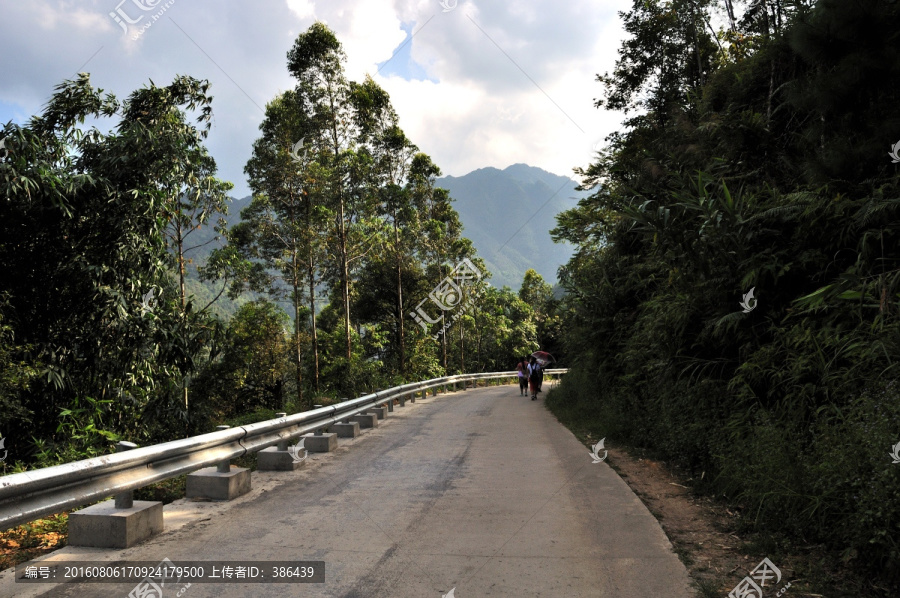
{"points": [[481, 492]]}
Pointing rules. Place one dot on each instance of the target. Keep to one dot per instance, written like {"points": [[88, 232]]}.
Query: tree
{"points": [[83, 244], [255, 360], [539, 295], [279, 227]]}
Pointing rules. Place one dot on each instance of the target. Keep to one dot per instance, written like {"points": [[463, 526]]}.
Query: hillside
{"points": [[508, 215]]}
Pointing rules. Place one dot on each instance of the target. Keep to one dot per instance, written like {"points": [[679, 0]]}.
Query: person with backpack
{"points": [[522, 370], [535, 377]]}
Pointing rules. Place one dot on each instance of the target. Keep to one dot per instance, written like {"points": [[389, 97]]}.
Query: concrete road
{"points": [[480, 492]]}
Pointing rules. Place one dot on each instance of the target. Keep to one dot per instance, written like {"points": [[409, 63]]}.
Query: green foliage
{"points": [[770, 173], [252, 367], [83, 243]]}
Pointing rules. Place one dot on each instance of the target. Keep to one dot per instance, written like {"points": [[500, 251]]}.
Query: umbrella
{"points": [[543, 357]]}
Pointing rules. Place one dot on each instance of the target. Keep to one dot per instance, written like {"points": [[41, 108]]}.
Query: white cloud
{"points": [[302, 8], [478, 110]]}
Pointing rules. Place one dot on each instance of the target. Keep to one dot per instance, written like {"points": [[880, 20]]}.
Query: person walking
{"points": [[522, 370], [535, 377]]}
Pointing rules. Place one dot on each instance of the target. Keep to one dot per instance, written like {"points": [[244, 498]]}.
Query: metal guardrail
{"points": [[34, 494]]}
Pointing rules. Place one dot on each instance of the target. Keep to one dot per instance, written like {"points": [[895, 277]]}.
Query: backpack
{"points": [[537, 372]]}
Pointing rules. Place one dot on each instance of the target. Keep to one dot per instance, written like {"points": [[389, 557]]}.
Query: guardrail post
{"points": [[223, 466], [282, 444], [319, 441], [318, 430], [346, 428], [118, 523], [125, 500], [278, 458], [222, 482]]}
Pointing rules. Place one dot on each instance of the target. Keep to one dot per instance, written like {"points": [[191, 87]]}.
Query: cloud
{"points": [[504, 82]]}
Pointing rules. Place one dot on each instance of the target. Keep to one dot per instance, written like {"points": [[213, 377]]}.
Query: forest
{"points": [[341, 256], [732, 307], [760, 158]]}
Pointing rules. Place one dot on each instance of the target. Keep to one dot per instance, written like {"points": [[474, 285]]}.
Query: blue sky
{"points": [[479, 84]]}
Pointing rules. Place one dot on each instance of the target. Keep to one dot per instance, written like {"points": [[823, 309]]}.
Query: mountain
{"points": [[201, 242], [508, 215]]}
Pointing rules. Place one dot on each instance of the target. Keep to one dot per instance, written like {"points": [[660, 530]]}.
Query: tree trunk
{"points": [[400, 300], [729, 7], [345, 280], [296, 299], [315, 334], [462, 346], [184, 389], [298, 351], [312, 294], [444, 342]]}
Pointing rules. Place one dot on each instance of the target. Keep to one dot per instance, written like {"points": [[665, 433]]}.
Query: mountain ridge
{"points": [[508, 214]]}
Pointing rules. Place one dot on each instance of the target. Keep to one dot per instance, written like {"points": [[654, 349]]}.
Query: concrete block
{"points": [[271, 459], [381, 412], [320, 444], [104, 526], [209, 483], [366, 420], [346, 430]]}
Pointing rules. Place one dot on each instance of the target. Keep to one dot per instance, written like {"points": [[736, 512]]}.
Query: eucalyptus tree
{"points": [[324, 93], [441, 229], [400, 217], [279, 228]]}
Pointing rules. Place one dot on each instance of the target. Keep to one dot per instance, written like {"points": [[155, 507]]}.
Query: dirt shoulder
{"points": [[705, 534]]}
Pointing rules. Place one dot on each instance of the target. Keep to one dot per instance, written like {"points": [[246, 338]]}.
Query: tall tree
{"points": [[323, 91], [277, 228]]}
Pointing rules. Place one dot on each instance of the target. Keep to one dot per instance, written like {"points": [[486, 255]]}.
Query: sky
{"points": [[475, 83]]}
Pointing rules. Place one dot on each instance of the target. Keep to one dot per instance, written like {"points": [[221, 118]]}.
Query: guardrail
{"points": [[34, 494]]}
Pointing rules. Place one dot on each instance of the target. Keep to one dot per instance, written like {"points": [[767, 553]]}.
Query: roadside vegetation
{"points": [[346, 237], [755, 159]]}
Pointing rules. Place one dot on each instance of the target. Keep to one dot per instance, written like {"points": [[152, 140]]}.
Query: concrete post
{"points": [[119, 523], [318, 430], [282, 444], [125, 500], [224, 466]]}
